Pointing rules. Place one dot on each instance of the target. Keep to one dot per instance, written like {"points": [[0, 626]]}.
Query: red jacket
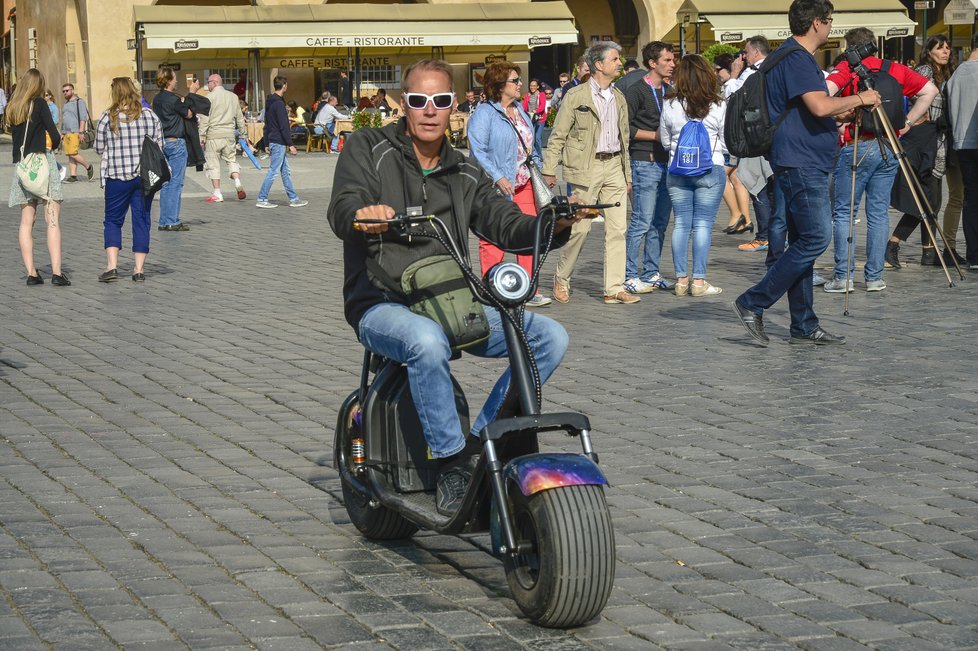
{"points": [[540, 115]]}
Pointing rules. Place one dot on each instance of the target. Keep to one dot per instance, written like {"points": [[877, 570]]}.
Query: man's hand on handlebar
{"points": [[377, 213]]}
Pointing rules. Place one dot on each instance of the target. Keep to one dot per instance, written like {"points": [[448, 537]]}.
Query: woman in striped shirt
{"points": [[119, 140]]}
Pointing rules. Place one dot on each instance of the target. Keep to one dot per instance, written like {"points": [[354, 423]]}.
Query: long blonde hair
{"points": [[29, 86], [125, 100]]}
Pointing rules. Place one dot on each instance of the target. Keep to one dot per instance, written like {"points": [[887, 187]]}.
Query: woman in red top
{"points": [[535, 104]]}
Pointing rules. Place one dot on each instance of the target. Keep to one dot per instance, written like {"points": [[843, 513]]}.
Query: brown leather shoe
{"points": [[621, 297], [561, 291]]}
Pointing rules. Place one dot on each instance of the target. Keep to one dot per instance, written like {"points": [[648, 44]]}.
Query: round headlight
{"points": [[509, 282]]}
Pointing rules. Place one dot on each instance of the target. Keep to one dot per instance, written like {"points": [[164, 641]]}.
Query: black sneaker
{"points": [[819, 337], [453, 480], [91, 172], [109, 276], [60, 281], [71, 179], [35, 280]]}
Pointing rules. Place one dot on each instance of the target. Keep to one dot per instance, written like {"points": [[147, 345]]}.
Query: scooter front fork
{"points": [[495, 469]]}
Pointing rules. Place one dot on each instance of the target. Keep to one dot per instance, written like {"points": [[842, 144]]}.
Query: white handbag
{"points": [[33, 171]]}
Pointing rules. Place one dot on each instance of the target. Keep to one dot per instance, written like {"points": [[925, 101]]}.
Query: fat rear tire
{"points": [[566, 578], [377, 523]]}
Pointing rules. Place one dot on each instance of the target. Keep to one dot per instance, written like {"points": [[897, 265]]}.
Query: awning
{"points": [[734, 28], [528, 24]]}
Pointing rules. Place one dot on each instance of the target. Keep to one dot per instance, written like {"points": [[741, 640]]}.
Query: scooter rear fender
{"points": [[538, 472]]}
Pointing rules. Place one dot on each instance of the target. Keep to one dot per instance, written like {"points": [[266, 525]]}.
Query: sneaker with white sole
{"points": [[875, 285], [706, 289], [838, 286], [659, 282], [539, 301], [266, 204], [817, 280], [298, 203], [215, 198], [638, 286]]}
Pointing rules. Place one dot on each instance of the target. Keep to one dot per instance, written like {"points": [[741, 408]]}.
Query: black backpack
{"points": [[153, 168], [891, 92], [747, 127]]}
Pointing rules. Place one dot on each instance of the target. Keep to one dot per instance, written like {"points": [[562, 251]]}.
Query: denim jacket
{"points": [[493, 143]]}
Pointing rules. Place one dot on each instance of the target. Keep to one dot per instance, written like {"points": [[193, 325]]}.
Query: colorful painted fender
{"points": [[538, 472]]}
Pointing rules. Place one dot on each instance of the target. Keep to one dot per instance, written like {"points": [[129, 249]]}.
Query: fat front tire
{"points": [[564, 577]]}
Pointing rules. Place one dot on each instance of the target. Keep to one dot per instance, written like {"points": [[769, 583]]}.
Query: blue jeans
{"points": [[874, 177], [650, 216], [278, 163], [777, 226], [763, 205], [122, 197], [695, 200], [809, 222], [393, 331], [320, 130], [176, 155]]}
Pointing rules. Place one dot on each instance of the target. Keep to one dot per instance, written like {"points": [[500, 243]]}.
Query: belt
{"points": [[169, 138], [604, 155]]}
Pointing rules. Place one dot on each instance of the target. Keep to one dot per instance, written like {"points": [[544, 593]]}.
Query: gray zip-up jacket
{"points": [[379, 167]]}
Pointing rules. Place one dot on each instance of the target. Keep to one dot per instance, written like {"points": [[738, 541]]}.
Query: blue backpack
{"points": [[694, 156]]}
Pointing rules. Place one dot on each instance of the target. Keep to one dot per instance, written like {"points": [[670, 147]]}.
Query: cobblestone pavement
{"points": [[163, 485]]}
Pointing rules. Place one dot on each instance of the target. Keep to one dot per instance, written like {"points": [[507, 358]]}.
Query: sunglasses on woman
{"points": [[418, 101]]}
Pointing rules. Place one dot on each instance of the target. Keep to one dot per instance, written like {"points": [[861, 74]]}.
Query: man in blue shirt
{"points": [[802, 155]]}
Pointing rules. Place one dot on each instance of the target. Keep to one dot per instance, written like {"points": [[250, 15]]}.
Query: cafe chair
{"points": [[316, 141]]}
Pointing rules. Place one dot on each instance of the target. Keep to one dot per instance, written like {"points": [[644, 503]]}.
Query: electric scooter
{"points": [[546, 512]]}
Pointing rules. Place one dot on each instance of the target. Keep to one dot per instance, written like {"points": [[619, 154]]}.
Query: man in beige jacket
{"points": [[590, 137], [217, 131]]}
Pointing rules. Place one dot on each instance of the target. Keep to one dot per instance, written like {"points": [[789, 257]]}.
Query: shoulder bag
{"points": [[33, 171], [542, 195], [86, 139]]}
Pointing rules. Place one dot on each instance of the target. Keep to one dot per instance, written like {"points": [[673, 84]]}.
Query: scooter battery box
{"points": [[399, 444]]}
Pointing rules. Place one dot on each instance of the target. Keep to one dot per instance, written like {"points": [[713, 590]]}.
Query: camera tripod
{"points": [[927, 217]]}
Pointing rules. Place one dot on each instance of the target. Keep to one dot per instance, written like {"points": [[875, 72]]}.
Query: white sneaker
{"points": [[838, 286], [215, 198], [266, 204], [539, 301], [638, 286], [817, 280], [875, 285], [298, 203], [598, 219]]}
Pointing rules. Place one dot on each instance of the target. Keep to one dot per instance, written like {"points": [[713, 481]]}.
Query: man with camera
{"points": [[406, 167], [877, 166], [802, 155]]}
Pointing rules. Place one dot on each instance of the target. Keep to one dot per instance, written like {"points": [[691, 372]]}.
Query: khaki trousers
{"points": [[216, 150], [608, 187], [955, 201]]}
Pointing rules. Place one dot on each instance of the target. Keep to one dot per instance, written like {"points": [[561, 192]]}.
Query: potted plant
{"points": [[363, 119]]}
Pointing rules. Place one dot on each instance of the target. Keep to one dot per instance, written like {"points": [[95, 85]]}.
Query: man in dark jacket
{"points": [[278, 135], [382, 172]]}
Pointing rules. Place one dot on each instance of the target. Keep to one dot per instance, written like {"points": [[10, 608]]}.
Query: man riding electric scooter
{"points": [[410, 168]]}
